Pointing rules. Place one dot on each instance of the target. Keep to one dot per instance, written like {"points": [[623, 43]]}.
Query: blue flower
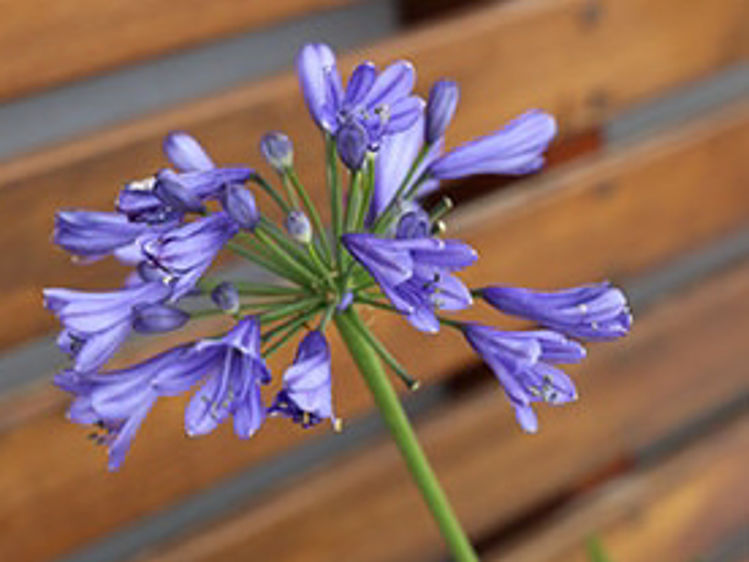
{"points": [[415, 270], [186, 252], [117, 402], [234, 371], [441, 106], [591, 312], [515, 149], [523, 362], [380, 103], [96, 324], [94, 234], [306, 395], [394, 160]]}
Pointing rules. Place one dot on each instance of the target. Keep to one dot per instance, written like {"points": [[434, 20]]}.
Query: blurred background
{"points": [[648, 185]]}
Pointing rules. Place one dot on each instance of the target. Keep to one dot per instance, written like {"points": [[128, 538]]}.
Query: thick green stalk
{"points": [[392, 411]]}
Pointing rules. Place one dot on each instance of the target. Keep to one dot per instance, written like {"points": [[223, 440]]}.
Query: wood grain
{"points": [[672, 512], [507, 58], [572, 226], [44, 44], [364, 509]]}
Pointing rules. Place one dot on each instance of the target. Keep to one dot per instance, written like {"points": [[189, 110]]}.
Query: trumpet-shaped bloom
{"points": [[381, 103], [186, 252], [96, 324], [306, 395], [234, 371], [94, 234], [515, 149], [117, 402], [415, 270], [523, 362], [591, 312]]}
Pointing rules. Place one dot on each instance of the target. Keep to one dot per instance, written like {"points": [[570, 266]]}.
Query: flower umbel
{"points": [[384, 250]]}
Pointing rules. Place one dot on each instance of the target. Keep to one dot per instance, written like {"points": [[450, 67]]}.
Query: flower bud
{"points": [[443, 100], [351, 142], [278, 150], [154, 318], [239, 203], [298, 226], [175, 194], [226, 297]]}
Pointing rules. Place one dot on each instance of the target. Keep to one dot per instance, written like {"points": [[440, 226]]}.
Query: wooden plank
{"points": [[544, 230], [488, 52], [45, 44], [365, 509], [673, 512]]}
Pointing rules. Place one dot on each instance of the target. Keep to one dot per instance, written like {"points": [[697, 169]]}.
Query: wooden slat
{"points": [[560, 230], [670, 513], [365, 509], [45, 44], [507, 58]]}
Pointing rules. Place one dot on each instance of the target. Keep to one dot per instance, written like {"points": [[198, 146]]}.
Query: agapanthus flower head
{"points": [[515, 149], [383, 250], [523, 362], [234, 371], [306, 396], [597, 311]]}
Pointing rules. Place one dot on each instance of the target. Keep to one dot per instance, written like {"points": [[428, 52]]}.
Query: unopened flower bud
{"points": [[154, 318], [278, 150], [175, 194], [346, 299], [239, 203], [298, 226], [226, 297], [443, 100], [351, 142]]}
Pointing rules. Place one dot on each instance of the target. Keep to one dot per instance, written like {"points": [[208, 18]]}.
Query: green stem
{"points": [[312, 211], [400, 428], [268, 263], [268, 188], [278, 312], [334, 188], [284, 257]]}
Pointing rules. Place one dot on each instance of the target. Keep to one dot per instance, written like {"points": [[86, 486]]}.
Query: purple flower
{"points": [[515, 149], [96, 324], [185, 153], [591, 312], [235, 370], [185, 191], [523, 364], [415, 270], [394, 160], [277, 150], [117, 402], [298, 227], [186, 252], [352, 141], [157, 318], [382, 104], [441, 106], [226, 297], [93, 234], [306, 395], [240, 205]]}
